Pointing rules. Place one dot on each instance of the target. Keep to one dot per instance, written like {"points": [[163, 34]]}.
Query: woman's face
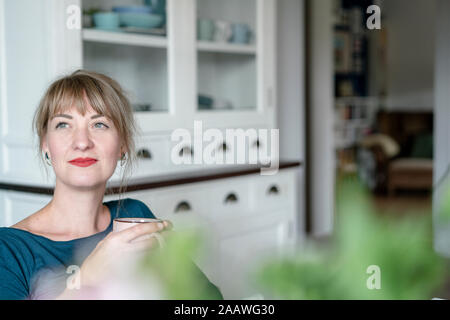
{"points": [[84, 150]]}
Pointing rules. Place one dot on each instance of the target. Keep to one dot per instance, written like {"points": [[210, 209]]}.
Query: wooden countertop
{"points": [[151, 182]]}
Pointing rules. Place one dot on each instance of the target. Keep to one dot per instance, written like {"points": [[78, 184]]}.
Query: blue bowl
{"points": [[133, 9], [205, 101], [141, 20], [106, 20]]}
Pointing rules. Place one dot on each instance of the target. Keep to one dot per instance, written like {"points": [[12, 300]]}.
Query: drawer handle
{"points": [[273, 190], [186, 151], [183, 206], [144, 154], [231, 198], [256, 144], [222, 147]]}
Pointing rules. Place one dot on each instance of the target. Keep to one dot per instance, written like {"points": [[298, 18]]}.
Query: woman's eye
{"points": [[100, 125], [61, 125]]}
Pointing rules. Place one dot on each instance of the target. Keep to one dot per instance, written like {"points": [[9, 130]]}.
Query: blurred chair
{"points": [[400, 154]]}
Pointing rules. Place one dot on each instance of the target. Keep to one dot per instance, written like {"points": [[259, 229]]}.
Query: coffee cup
{"points": [[205, 29], [223, 31], [120, 224], [241, 33]]}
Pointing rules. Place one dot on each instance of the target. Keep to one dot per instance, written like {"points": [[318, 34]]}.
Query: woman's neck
{"points": [[74, 213]]}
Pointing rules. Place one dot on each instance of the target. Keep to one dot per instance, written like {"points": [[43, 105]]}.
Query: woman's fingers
{"points": [[144, 244], [148, 241], [140, 230], [168, 225]]}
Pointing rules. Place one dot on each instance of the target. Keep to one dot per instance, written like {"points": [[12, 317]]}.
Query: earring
{"points": [[47, 160], [122, 160]]}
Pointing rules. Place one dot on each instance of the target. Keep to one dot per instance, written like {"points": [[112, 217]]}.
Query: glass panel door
{"points": [[226, 55], [126, 39]]}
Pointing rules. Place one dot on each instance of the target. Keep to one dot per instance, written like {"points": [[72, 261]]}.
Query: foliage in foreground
{"points": [[401, 249]]}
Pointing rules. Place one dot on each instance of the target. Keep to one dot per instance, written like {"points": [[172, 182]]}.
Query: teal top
{"points": [[28, 261]]}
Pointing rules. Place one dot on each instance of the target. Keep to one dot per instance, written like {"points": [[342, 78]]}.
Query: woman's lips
{"points": [[83, 162]]}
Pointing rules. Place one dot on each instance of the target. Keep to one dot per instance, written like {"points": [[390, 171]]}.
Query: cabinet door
{"points": [[250, 242], [16, 206], [235, 62], [150, 59]]}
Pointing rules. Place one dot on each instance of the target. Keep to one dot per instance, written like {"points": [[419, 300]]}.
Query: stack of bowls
{"points": [[138, 17]]}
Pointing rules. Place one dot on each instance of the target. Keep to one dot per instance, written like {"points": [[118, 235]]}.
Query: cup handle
{"points": [[159, 238]]}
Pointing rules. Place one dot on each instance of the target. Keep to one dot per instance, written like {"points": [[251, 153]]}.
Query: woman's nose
{"points": [[82, 139]]}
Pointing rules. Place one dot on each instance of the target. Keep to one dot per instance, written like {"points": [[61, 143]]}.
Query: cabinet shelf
{"points": [[124, 38], [219, 47]]}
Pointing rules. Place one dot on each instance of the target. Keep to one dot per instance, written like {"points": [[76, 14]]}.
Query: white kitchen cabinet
{"points": [[239, 233], [167, 72], [249, 244], [16, 206]]}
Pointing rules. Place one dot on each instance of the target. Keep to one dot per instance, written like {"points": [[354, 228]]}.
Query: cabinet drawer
{"points": [[152, 153], [185, 208], [273, 191], [177, 203], [229, 199]]}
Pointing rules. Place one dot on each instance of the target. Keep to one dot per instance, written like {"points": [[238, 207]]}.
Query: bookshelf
{"points": [[355, 110]]}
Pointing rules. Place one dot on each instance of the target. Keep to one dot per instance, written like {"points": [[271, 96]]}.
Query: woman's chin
{"points": [[86, 182]]}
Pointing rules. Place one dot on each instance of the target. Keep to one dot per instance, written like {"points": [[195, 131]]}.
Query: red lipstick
{"points": [[83, 162]]}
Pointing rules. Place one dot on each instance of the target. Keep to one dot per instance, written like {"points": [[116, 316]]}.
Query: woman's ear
{"points": [[123, 150], [44, 146]]}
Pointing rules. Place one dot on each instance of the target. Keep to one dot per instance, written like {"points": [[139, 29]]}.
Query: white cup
{"points": [[120, 224], [223, 31]]}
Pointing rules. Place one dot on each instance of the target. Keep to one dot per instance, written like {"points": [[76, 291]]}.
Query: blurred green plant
{"points": [[401, 248], [178, 276]]}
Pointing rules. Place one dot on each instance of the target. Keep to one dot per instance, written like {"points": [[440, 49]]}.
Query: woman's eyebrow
{"points": [[70, 117], [97, 116]]}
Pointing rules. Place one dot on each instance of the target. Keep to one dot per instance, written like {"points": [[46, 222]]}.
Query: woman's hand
{"points": [[117, 248]]}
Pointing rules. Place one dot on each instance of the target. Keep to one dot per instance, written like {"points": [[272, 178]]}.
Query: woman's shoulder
{"points": [[10, 236], [14, 266], [15, 246], [13, 240], [129, 208]]}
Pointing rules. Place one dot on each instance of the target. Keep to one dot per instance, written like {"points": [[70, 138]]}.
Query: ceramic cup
{"points": [[120, 224], [241, 33], [223, 31], [106, 20], [205, 29], [222, 103]]}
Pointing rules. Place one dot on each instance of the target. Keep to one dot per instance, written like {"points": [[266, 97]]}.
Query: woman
{"points": [[85, 126]]}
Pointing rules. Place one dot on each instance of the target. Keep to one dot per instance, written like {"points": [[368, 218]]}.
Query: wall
{"points": [[291, 83], [441, 127], [410, 26], [321, 157]]}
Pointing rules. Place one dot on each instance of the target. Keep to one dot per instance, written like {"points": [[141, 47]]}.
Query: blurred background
{"points": [[351, 103]]}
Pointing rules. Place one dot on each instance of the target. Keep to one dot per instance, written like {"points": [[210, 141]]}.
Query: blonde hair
{"points": [[106, 97]]}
